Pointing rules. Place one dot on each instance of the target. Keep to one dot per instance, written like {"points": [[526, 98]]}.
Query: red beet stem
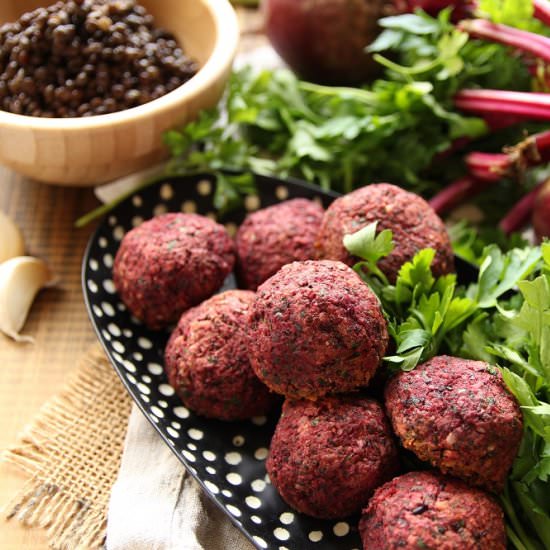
{"points": [[494, 102], [520, 213], [455, 193], [528, 42], [542, 11], [488, 166]]}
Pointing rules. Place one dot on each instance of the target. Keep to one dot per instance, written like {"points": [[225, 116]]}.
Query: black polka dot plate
{"points": [[227, 459]]}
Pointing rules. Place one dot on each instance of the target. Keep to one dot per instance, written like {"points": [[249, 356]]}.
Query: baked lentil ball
{"points": [[276, 236], [431, 511], [458, 415], [206, 360], [413, 222], [316, 328], [171, 263], [327, 457]]}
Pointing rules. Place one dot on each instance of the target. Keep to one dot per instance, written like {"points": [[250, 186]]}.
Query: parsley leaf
{"points": [[370, 247]]}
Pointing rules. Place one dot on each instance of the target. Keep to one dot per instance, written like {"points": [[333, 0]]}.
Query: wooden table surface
{"points": [[32, 373]]}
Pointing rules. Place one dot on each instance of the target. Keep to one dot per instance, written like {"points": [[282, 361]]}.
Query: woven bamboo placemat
{"points": [[72, 451]]}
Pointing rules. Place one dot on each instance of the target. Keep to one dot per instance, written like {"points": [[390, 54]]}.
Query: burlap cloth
{"points": [[72, 452]]}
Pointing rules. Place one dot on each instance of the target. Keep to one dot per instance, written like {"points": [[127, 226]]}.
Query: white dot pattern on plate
{"points": [[118, 346], [157, 412], [341, 529], [108, 309], [204, 188], [144, 343], [109, 286], [154, 368], [166, 191], [229, 461], [114, 329], [287, 518], [118, 233], [234, 511], [137, 221], [234, 478], [195, 434], [143, 388], [212, 487], [261, 453], [189, 207], [281, 192], [189, 456], [181, 412], [260, 541], [253, 502], [238, 441], [233, 458], [258, 485], [166, 389], [160, 209], [129, 366], [281, 533], [172, 432], [315, 536], [108, 260], [252, 202], [259, 420], [97, 310]]}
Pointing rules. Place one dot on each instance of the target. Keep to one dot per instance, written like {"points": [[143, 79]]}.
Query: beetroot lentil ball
{"points": [[316, 328], [430, 511], [327, 457], [171, 263], [276, 236], [413, 222], [458, 415], [206, 360]]}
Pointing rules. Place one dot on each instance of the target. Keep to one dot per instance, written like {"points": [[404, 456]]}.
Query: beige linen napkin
{"points": [[156, 505]]}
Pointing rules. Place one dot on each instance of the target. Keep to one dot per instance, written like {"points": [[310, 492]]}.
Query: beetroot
{"points": [[541, 212], [324, 40]]}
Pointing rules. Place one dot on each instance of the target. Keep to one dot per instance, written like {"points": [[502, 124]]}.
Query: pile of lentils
{"points": [[87, 57]]}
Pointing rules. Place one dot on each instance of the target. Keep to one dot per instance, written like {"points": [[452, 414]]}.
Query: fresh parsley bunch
{"points": [[503, 317]]}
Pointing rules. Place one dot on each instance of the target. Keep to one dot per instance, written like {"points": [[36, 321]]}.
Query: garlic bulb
{"points": [[11, 239], [20, 280]]}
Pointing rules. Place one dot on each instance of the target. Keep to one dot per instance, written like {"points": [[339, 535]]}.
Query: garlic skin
{"points": [[11, 239], [20, 280]]}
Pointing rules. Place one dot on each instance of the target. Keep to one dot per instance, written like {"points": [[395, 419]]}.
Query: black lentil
{"points": [[87, 57]]}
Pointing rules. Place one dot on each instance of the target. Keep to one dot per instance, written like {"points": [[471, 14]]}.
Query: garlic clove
{"points": [[20, 280], [11, 239]]}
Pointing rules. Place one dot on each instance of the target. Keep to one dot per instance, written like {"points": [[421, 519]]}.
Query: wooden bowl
{"points": [[90, 150]]}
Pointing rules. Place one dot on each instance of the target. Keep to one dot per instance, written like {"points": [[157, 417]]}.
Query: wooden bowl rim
{"points": [[223, 53]]}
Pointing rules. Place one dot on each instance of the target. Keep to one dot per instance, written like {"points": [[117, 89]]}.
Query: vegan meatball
{"points": [[458, 415], [316, 328], [171, 263], [327, 457], [413, 222], [276, 236], [434, 512], [206, 360]]}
